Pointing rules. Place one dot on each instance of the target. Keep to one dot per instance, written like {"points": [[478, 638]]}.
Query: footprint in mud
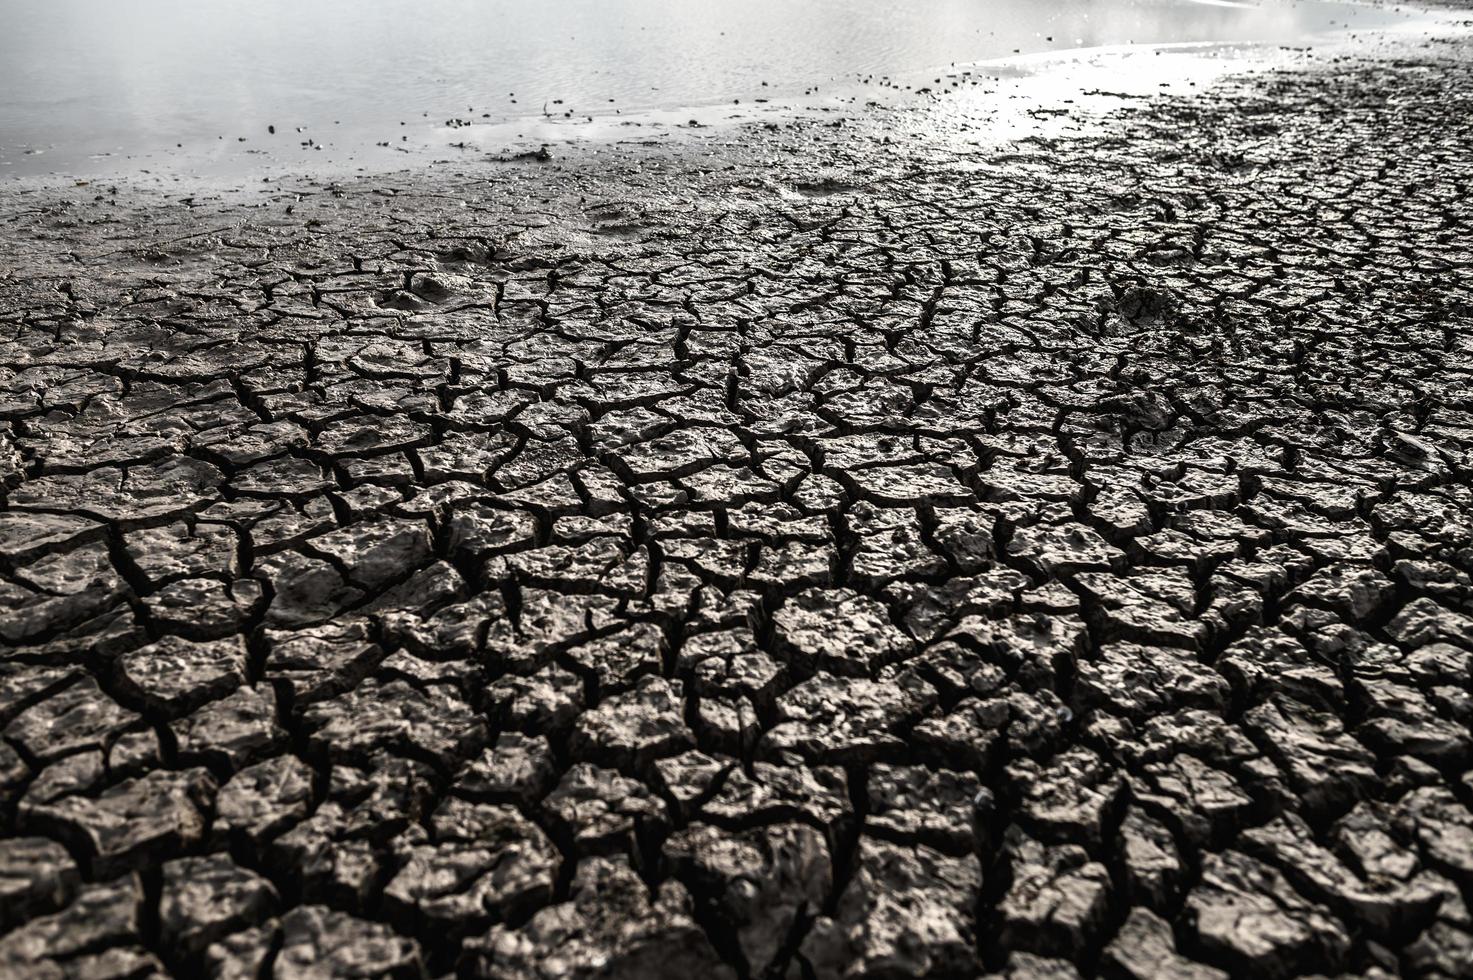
{"points": [[617, 221], [827, 187], [428, 289], [181, 255]]}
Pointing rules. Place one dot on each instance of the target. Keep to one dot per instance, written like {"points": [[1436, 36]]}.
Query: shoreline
{"points": [[1045, 78]]}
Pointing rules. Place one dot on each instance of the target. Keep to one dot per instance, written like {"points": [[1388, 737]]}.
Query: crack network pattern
{"points": [[1041, 562]]}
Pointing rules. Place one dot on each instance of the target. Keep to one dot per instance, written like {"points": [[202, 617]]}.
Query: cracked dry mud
{"points": [[1045, 561]]}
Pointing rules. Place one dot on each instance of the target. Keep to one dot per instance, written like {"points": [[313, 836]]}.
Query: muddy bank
{"points": [[231, 90], [804, 555]]}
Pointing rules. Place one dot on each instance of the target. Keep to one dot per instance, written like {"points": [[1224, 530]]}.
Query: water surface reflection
{"points": [[87, 77]]}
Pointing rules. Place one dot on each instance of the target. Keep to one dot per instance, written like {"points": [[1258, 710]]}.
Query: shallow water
{"points": [[86, 84]]}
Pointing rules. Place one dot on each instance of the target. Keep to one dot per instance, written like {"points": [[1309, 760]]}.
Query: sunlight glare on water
{"points": [[87, 78]]}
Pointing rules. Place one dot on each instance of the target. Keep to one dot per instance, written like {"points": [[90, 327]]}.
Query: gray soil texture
{"points": [[830, 556]]}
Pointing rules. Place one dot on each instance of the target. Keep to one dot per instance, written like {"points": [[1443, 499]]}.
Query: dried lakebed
{"points": [[1040, 561]]}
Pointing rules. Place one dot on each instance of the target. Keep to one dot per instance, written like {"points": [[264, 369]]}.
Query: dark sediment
{"points": [[1039, 561]]}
